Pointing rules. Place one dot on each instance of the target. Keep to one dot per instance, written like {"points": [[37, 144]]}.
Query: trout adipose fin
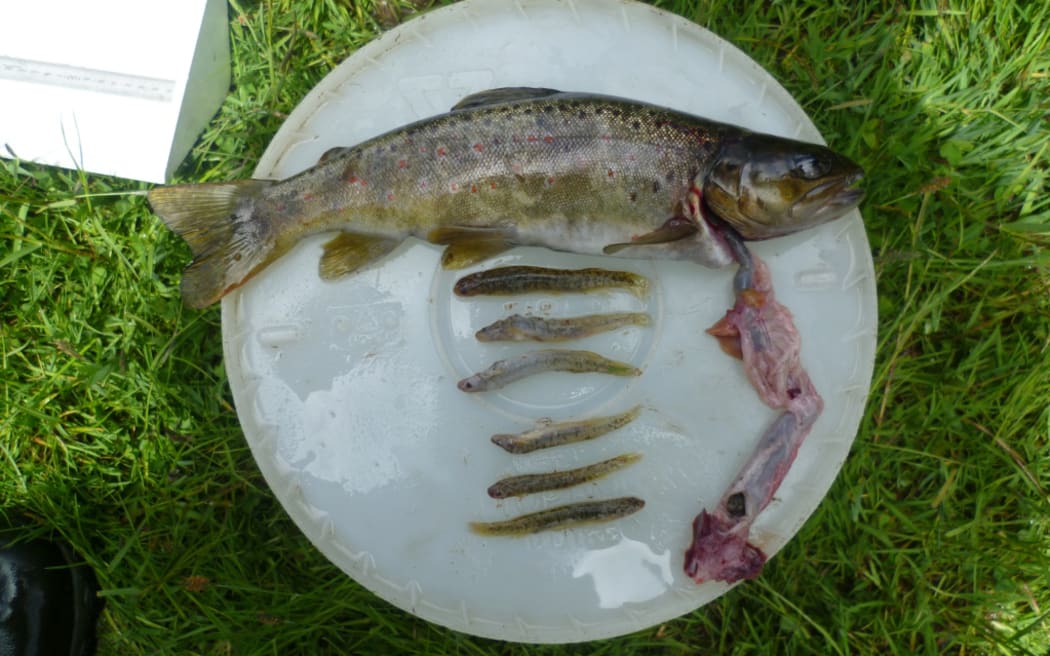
{"points": [[332, 153], [503, 95]]}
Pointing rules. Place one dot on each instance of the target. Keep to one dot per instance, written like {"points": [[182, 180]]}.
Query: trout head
{"points": [[766, 186]]}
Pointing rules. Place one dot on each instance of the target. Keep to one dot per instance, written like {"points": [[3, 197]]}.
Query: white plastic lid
{"points": [[347, 391]]}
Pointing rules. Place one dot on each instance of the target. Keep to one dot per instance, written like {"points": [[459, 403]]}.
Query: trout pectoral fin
{"points": [[349, 252], [467, 246], [502, 95], [673, 229]]}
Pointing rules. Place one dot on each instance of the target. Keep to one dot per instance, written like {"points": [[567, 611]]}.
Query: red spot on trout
{"points": [[402, 163], [532, 138], [390, 197], [441, 152], [454, 186], [478, 147], [473, 189], [548, 139], [610, 173]]}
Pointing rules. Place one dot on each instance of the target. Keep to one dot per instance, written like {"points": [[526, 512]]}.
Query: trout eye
{"points": [[810, 167]]}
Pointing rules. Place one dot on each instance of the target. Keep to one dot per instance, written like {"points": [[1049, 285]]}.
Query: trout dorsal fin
{"points": [[502, 95], [332, 153]]}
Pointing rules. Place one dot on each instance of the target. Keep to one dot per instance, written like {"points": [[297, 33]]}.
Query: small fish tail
{"points": [[640, 287], [218, 221]]}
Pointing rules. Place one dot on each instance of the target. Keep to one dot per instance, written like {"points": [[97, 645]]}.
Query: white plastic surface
{"points": [[347, 391]]}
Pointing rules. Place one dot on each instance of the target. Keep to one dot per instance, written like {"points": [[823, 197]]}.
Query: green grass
{"points": [[118, 434]]}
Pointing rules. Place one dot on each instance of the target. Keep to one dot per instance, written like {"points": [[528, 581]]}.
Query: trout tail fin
{"points": [[230, 243]]}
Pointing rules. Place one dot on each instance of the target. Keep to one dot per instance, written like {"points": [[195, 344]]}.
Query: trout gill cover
{"points": [[572, 172]]}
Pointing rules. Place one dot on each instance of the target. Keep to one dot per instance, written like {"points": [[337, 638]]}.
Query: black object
{"points": [[48, 605]]}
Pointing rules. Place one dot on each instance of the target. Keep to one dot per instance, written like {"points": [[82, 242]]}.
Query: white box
{"points": [[118, 87]]}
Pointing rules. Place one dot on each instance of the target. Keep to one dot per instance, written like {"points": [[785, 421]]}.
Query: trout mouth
{"points": [[829, 200]]}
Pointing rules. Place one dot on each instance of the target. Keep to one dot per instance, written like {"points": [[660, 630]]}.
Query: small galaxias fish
{"points": [[518, 328], [567, 516], [510, 280], [502, 372], [516, 486], [551, 435]]}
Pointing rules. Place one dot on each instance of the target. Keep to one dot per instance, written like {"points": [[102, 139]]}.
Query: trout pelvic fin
{"points": [[673, 229], [348, 252], [502, 95], [217, 220], [467, 246]]}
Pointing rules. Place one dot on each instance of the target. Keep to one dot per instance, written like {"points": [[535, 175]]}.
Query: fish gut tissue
{"points": [[761, 332]]}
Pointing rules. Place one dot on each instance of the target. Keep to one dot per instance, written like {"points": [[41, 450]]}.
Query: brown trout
{"points": [[569, 171]]}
